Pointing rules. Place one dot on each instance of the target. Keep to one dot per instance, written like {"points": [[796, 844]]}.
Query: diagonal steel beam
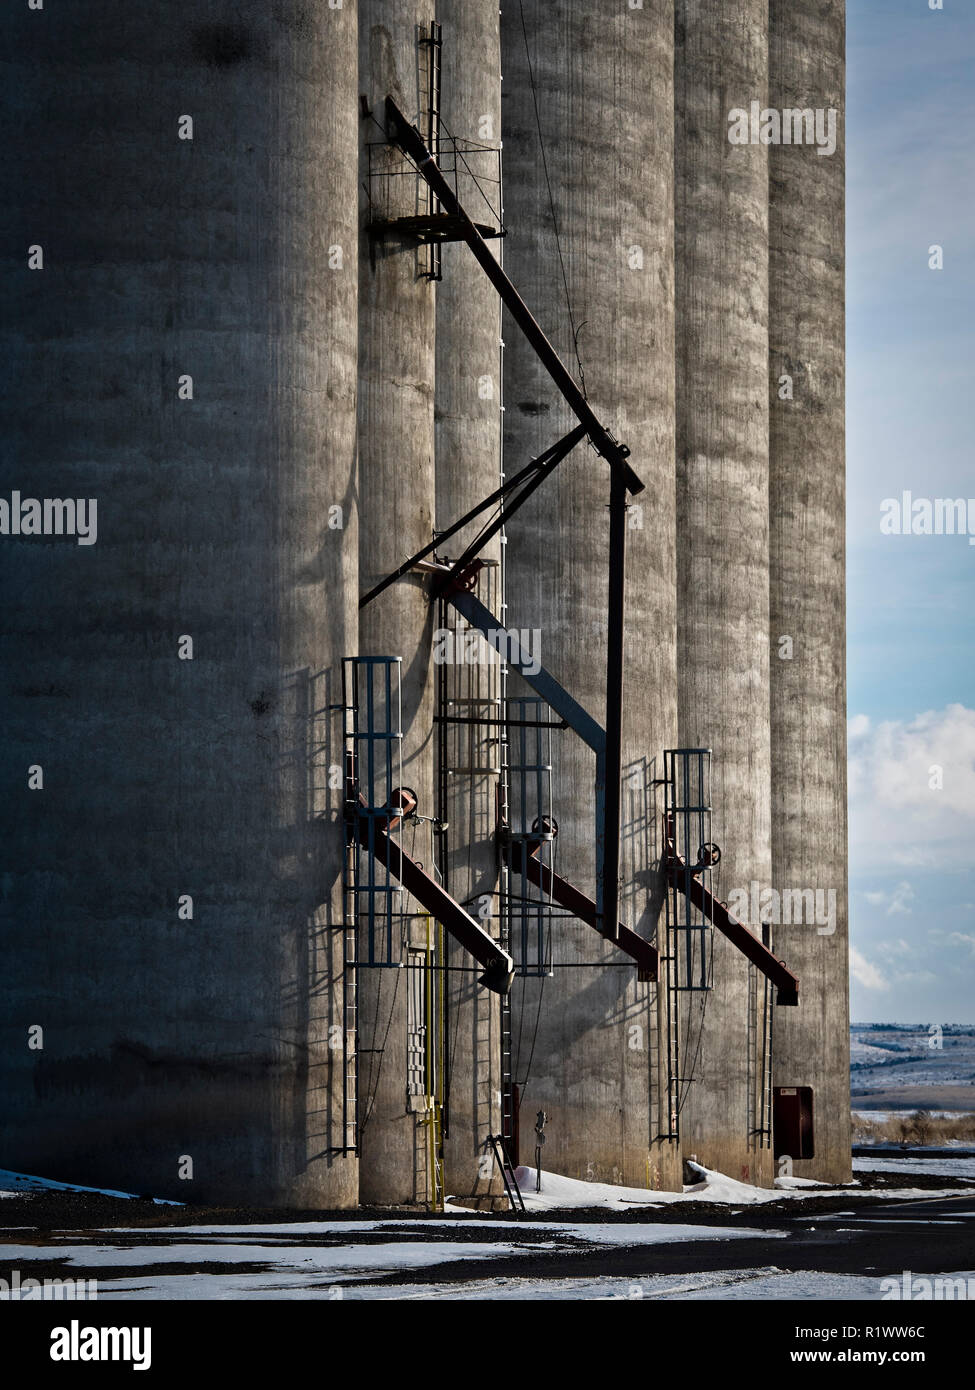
{"points": [[510, 649], [498, 965], [688, 883], [623, 480], [411, 142], [525, 860]]}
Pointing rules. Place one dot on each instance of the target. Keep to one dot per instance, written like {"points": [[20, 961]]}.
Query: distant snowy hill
{"points": [[904, 1064]]}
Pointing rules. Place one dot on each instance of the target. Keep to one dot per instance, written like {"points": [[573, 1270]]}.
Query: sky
{"points": [[910, 127]]}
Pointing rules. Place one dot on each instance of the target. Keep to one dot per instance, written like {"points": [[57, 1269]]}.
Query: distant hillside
{"points": [[903, 1066]]}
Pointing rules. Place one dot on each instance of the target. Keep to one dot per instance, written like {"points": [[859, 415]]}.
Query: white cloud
{"points": [[865, 973], [960, 938], [897, 901], [912, 794], [916, 977], [892, 949]]}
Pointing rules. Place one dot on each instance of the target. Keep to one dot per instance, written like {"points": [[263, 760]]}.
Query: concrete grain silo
{"points": [[232, 323], [397, 503], [588, 140], [183, 351], [807, 543], [721, 63], [468, 459]]}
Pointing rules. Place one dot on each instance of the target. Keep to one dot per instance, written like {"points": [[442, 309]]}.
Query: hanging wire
{"points": [[538, 1014], [551, 202]]}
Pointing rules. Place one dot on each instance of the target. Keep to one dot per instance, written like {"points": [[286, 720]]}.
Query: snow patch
{"points": [[559, 1192], [12, 1183]]}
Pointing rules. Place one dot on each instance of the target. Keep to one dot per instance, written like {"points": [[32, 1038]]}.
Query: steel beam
{"points": [[531, 475], [524, 860], [607, 883], [737, 933], [498, 965], [411, 142], [544, 684]]}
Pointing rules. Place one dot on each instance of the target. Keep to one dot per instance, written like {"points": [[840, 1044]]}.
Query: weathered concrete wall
{"points": [[468, 451], [721, 63], [807, 501], [605, 97], [396, 476], [168, 1038]]}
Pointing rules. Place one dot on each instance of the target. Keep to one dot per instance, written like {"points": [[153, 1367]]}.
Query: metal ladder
{"points": [[511, 1187]]}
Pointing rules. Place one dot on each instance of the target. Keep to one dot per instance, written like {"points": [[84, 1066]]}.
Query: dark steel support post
{"points": [[608, 863], [623, 480]]}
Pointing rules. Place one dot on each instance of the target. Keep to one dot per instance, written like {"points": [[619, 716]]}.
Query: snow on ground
{"points": [[758, 1285], [12, 1183], [881, 1116], [329, 1259], [560, 1193], [269, 1266], [335, 1261], [599, 1233], [938, 1167], [723, 1284], [738, 1285]]}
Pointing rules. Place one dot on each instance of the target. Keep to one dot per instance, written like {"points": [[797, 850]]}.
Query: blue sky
{"points": [[910, 126]]}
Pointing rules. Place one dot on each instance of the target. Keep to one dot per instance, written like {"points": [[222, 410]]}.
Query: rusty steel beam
{"points": [[566, 895], [498, 966], [737, 933]]}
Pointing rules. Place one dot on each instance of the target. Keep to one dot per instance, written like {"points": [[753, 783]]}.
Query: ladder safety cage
{"points": [[691, 903], [375, 901], [527, 908], [497, 964], [373, 754], [472, 166], [687, 819]]}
